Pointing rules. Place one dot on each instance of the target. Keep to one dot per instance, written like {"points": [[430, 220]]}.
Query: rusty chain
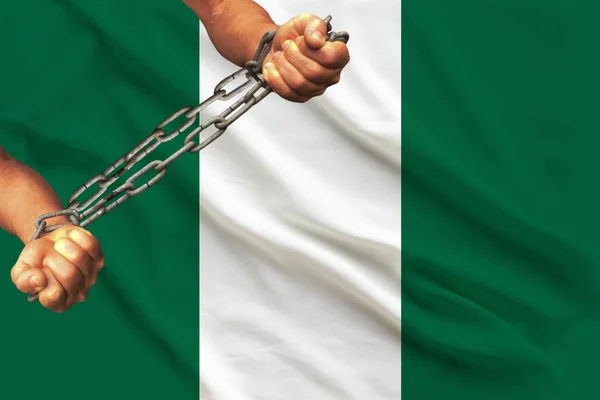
{"points": [[250, 93]]}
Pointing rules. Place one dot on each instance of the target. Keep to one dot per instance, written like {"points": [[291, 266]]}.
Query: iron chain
{"points": [[254, 89]]}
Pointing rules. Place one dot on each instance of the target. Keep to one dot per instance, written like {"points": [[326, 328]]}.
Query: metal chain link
{"points": [[254, 90]]}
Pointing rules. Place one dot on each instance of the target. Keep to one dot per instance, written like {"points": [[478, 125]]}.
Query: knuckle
{"points": [[82, 237], [345, 55], [291, 52], [73, 280], [281, 88], [22, 282], [53, 295], [277, 60], [298, 83], [299, 98], [52, 260], [313, 19], [16, 271], [304, 16], [330, 58], [76, 255], [69, 277], [332, 54], [63, 230], [29, 251], [52, 299], [286, 94], [314, 74]]}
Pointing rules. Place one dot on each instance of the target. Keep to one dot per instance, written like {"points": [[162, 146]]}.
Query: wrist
{"points": [[26, 231], [259, 32]]}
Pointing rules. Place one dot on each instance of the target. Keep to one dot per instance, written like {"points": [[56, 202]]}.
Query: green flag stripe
{"points": [[499, 214], [82, 83]]}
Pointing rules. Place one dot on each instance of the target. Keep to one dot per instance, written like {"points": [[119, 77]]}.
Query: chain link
{"points": [[254, 89]]}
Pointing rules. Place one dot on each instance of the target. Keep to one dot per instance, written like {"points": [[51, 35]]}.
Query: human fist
{"points": [[301, 63], [61, 266]]}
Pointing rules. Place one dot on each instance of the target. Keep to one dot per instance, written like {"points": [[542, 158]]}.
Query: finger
{"points": [[28, 279], [28, 267], [67, 275], [79, 258], [331, 55], [53, 297], [34, 252], [309, 68], [279, 86], [312, 28], [294, 79], [88, 243]]}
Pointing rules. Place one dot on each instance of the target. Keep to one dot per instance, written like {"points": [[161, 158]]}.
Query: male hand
{"points": [[61, 266], [301, 64]]}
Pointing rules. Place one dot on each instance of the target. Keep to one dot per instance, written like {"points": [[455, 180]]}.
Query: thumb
{"points": [[28, 279], [27, 274], [314, 30]]}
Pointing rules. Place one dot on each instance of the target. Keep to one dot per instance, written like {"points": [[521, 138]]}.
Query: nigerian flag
{"points": [[501, 250], [81, 83]]}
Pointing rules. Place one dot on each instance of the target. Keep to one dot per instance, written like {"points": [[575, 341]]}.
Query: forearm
{"points": [[24, 196], [235, 27]]}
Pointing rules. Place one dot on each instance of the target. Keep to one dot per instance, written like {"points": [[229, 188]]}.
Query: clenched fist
{"points": [[301, 63], [61, 266]]}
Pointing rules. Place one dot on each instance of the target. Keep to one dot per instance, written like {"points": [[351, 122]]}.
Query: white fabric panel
{"points": [[300, 227]]}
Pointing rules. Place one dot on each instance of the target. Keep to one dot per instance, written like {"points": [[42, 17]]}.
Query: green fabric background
{"points": [[81, 82], [501, 252]]}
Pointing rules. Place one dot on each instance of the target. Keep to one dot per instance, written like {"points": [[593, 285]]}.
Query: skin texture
{"points": [[62, 265], [301, 64]]}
